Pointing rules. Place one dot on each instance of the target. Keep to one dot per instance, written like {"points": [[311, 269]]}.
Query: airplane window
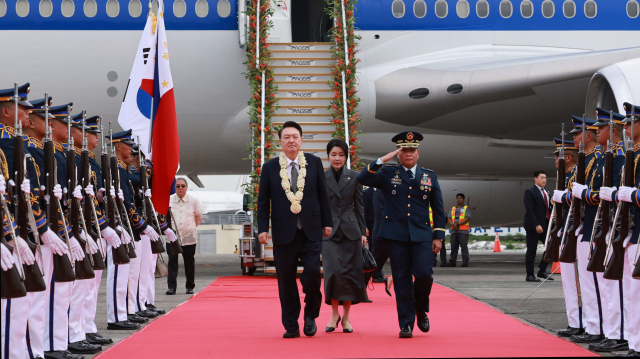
{"points": [[3, 8], [68, 8], [462, 9], [135, 8], [224, 8], [590, 9], [90, 8], [154, 7], [420, 9], [632, 9], [179, 8], [113, 8], [442, 8], [397, 8], [419, 93], [46, 8], [506, 9], [548, 9], [202, 8], [22, 8], [482, 9], [526, 9], [454, 89], [569, 9]]}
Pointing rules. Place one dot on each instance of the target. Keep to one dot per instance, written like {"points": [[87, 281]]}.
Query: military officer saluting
{"points": [[408, 192]]}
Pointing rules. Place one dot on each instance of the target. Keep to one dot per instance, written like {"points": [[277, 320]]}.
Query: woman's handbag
{"points": [[368, 262], [161, 267]]}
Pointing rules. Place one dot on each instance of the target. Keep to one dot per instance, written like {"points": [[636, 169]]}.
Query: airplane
{"points": [[488, 82]]}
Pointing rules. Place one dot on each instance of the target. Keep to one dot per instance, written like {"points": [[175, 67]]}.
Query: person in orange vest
{"points": [[458, 218], [443, 251]]}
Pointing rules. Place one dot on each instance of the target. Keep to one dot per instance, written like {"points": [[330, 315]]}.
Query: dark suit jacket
{"points": [[536, 213], [347, 209], [378, 205], [272, 200], [369, 211]]}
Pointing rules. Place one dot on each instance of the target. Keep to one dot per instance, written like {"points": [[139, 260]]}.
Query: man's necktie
{"points": [[546, 203], [294, 185], [410, 174]]}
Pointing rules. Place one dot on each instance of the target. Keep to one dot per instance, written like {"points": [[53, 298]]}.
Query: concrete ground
{"points": [[493, 278]]}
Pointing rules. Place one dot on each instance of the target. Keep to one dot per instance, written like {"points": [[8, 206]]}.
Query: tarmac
{"points": [[497, 279]]}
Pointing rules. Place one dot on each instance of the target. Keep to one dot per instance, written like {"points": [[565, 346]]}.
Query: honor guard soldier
{"points": [[569, 279], [408, 191], [592, 311], [631, 285]]}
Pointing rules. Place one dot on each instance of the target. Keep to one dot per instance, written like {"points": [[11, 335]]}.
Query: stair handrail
{"points": [[345, 104]]}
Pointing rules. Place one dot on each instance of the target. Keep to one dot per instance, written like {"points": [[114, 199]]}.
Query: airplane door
{"points": [[281, 31], [309, 23]]}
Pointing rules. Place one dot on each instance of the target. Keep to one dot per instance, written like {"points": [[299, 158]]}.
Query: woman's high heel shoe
{"points": [[388, 281], [330, 329], [346, 330]]}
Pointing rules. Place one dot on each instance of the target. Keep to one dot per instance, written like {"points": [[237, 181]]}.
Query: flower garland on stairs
{"points": [[254, 75], [338, 54]]}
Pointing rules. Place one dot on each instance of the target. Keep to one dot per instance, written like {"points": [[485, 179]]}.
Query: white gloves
{"points": [[171, 236], [625, 193], [25, 186], [578, 189], [112, 192], [25, 252], [7, 258], [606, 192], [111, 237], [89, 190], [77, 192], [57, 192], [126, 238], [91, 245], [101, 192], [3, 185], [149, 232], [557, 195], [148, 193], [76, 249], [52, 240], [121, 194]]}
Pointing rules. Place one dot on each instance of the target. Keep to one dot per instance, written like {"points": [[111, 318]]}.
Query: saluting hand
{"points": [[389, 155]]}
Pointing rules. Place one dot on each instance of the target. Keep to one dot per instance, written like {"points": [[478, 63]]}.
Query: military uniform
{"points": [[406, 231]]}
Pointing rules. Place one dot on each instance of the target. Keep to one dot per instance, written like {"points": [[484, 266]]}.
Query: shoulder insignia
{"points": [[426, 169]]}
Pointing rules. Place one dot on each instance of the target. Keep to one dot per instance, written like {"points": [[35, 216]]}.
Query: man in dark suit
{"points": [[297, 227], [537, 204]]}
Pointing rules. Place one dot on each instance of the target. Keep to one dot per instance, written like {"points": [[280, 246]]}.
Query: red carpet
{"points": [[239, 317]]}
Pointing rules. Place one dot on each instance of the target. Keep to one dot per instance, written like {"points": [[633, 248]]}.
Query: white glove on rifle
{"points": [[25, 186], [112, 192], [126, 238], [121, 194], [57, 192], [578, 189], [3, 185], [606, 192], [77, 192], [89, 190], [52, 240], [148, 193], [171, 236], [7, 258], [76, 249], [625, 194], [111, 237], [557, 195], [149, 232], [91, 245], [101, 192], [25, 252]]}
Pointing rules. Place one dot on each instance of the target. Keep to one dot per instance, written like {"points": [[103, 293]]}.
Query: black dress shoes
{"points": [[423, 321], [587, 338], [61, 354], [124, 325], [147, 313], [96, 338], [171, 291], [136, 318], [531, 278], [189, 290], [451, 264], [631, 354], [83, 347], [544, 275], [310, 327], [465, 265], [570, 331], [609, 345], [154, 309], [405, 332], [443, 264], [291, 334]]}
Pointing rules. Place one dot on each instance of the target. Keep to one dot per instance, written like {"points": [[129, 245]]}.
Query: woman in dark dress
{"points": [[342, 250]]}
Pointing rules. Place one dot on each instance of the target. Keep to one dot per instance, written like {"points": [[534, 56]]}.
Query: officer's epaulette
{"points": [[426, 169]]}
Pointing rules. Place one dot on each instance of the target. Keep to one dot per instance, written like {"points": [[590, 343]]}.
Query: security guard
{"points": [[408, 191]]}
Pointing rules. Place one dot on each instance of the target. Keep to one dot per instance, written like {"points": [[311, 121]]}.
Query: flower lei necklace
{"points": [[284, 174]]}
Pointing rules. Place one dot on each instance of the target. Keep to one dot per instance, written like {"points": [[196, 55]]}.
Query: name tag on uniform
{"points": [[396, 180]]}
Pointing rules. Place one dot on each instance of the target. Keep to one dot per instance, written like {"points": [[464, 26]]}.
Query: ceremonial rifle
{"points": [[614, 267], [176, 246], [568, 254], [12, 281], [552, 249], [89, 211], [149, 211], [636, 270], [84, 268], [119, 254], [121, 211]]}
